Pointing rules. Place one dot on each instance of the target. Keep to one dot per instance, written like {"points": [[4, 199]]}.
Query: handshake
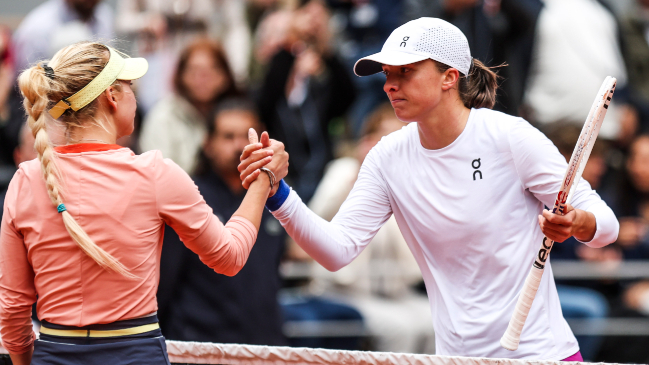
{"points": [[267, 153]]}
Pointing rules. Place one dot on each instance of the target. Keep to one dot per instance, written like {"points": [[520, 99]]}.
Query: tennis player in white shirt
{"points": [[467, 186]]}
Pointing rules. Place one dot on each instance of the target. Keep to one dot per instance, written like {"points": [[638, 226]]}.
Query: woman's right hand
{"points": [[252, 159]]}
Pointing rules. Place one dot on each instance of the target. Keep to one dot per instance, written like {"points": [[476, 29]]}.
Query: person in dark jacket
{"points": [[305, 90], [197, 304]]}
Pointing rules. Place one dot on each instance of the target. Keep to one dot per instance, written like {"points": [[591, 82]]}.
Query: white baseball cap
{"points": [[418, 40]]}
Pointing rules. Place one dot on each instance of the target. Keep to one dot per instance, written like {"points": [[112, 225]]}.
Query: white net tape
{"points": [[213, 353], [228, 354]]}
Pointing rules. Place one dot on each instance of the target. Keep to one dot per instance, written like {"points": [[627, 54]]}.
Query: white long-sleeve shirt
{"points": [[468, 212]]}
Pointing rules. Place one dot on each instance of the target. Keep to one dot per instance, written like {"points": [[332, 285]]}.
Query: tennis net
{"points": [[231, 354]]}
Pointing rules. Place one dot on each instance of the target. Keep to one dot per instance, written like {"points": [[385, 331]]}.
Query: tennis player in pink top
{"points": [[83, 224]]}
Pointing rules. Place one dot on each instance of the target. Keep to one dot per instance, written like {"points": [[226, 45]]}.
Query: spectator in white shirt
{"points": [[576, 47], [62, 22]]}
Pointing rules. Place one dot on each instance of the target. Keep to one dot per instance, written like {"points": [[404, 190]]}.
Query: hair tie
{"points": [[61, 208], [49, 72]]}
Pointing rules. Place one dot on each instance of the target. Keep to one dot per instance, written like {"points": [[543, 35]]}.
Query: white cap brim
{"points": [[134, 68], [374, 63]]}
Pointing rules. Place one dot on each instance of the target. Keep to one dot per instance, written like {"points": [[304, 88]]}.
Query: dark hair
{"points": [[478, 89], [218, 54], [230, 104]]}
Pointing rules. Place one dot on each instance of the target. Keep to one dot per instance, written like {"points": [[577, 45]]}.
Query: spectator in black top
{"points": [[633, 206], [197, 304], [634, 25], [306, 87], [363, 28], [12, 113], [23, 152], [628, 298]]}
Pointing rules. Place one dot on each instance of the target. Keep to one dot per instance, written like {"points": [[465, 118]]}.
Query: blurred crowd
{"points": [[219, 67]]}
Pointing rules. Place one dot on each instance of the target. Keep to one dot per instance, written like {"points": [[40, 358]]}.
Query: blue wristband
{"points": [[275, 202]]}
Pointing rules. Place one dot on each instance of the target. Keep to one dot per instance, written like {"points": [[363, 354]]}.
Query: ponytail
{"points": [[38, 88], [478, 88]]}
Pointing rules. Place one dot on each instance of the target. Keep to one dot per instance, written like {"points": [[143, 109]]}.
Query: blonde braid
{"points": [[36, 87]]}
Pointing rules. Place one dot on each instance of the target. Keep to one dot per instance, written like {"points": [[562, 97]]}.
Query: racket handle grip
{"points": [[512, 336]]}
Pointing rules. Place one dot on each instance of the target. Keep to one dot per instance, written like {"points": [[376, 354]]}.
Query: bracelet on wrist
{"points": [[271, 176]]}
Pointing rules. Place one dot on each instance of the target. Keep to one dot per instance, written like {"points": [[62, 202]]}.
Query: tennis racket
{"points": [[578, 160]]}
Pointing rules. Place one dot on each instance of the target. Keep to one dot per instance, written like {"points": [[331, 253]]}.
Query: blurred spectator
{"points": [[197, 304], [637, 297], [162, 28], [635, 47], [564, 135], [257, 10], [306, 87], [576, 47], [24, 152], [6, 71], [270, 37], [177, 125], [58, 23], [361, 27], [379, 282], [633, 208], [368, 21], [631, 298], [10, 114], [603, 180], [498, 31]]}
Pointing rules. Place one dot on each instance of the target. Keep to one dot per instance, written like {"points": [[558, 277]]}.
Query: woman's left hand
{"points": [[575, 222], [254, 156]]}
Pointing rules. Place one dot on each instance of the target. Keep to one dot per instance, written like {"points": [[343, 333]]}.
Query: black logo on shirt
{"points": [[476, 165]]}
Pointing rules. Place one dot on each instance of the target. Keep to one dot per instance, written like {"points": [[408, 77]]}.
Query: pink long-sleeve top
{"points": [[122, 201]]}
